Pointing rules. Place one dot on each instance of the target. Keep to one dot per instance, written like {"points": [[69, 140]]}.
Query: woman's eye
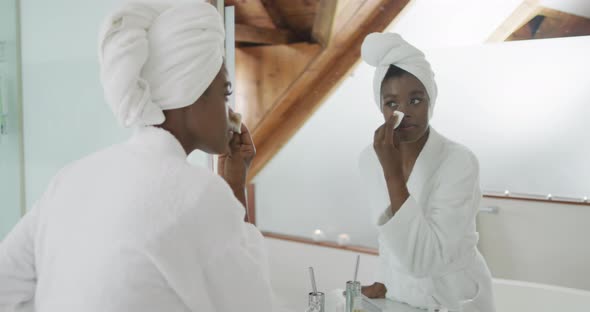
{"points": [[228, 90], [415, 101], [391, 104]]}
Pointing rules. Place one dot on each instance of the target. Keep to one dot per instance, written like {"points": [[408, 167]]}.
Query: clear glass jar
{"points": [[316, 302], [354, 298]]}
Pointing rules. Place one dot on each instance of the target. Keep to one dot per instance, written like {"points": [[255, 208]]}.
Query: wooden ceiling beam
{"points": [[323, 24], [262, 76], [259, 35], [325, 72], [274, 13], [278, 20], [298, 15], [251, 12]]}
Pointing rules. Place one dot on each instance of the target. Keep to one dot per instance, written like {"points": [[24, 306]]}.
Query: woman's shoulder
{"points": [[456, 154]]}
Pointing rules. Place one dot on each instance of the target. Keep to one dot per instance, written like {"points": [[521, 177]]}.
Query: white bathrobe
{"points": [[428, 249], [135, 228]]}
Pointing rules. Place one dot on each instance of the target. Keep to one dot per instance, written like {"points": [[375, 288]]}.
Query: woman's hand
{"points": [[386, 143], [234, 164], [375, 291]]}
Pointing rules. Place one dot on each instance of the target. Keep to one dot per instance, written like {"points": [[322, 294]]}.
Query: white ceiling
{"points": [[448, 23], [576, 7]]}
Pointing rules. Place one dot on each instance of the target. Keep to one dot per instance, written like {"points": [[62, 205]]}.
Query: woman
{"points": [[426, 189], [135, 227]]}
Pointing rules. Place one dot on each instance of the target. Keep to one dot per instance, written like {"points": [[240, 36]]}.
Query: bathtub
{"points": [[513, 296]]}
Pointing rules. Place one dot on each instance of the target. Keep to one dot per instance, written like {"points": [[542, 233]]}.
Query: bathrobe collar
{"points": [[426, 164], [159, 140]]}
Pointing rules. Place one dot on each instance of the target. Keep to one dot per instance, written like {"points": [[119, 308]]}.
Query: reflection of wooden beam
{"points": [[264, 73], [294, 107], [522, 15], [324, 22], [251, 34]]}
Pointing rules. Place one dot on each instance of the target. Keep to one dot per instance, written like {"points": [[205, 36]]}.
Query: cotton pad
{"points": [[400, 116], [235, 122]]}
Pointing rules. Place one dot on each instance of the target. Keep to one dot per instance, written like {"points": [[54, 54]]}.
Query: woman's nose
{"points": [[402, 108]]}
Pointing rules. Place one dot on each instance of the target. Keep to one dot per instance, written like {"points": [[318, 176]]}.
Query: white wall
{"points": [[10, 142], [520, 106], [65, 115], [537, 242]]}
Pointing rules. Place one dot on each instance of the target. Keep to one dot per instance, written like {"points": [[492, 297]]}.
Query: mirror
{"points": [[520, 106], [507, 102]]}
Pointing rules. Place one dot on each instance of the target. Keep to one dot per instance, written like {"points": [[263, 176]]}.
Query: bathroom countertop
{"points": [[387, 305], [335, 302]]}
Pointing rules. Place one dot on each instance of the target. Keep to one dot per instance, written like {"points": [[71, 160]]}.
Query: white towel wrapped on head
{"points": [[384, 49], [159, 55]]}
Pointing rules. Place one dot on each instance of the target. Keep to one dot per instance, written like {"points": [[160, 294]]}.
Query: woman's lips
{"points": [[404, 127]]}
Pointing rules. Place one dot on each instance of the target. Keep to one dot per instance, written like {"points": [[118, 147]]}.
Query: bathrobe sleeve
{"points": [[17, 265], [425, 242], [375, 191], [18, 272], [239, 267], [373, 184], [214, 256]]}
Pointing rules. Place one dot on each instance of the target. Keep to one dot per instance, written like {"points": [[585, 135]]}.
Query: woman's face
{"points": [[406, 94], [207, 119]]}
